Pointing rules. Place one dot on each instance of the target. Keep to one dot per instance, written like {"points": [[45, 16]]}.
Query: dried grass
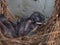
{"points": [[47, 35]]}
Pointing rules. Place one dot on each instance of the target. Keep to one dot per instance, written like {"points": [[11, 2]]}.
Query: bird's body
{"points": [[22, 27]]}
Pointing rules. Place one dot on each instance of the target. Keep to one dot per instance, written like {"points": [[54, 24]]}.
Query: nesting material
{"points": [[48, 34]]}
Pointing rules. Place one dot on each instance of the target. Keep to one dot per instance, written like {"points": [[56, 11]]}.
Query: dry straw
{"points": [[47, 35]]}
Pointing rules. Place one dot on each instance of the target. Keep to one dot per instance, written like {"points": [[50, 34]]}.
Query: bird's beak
{"points": [[39, 23]]}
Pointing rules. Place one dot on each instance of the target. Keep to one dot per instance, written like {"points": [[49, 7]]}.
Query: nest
{"points": [[48, 34]]}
